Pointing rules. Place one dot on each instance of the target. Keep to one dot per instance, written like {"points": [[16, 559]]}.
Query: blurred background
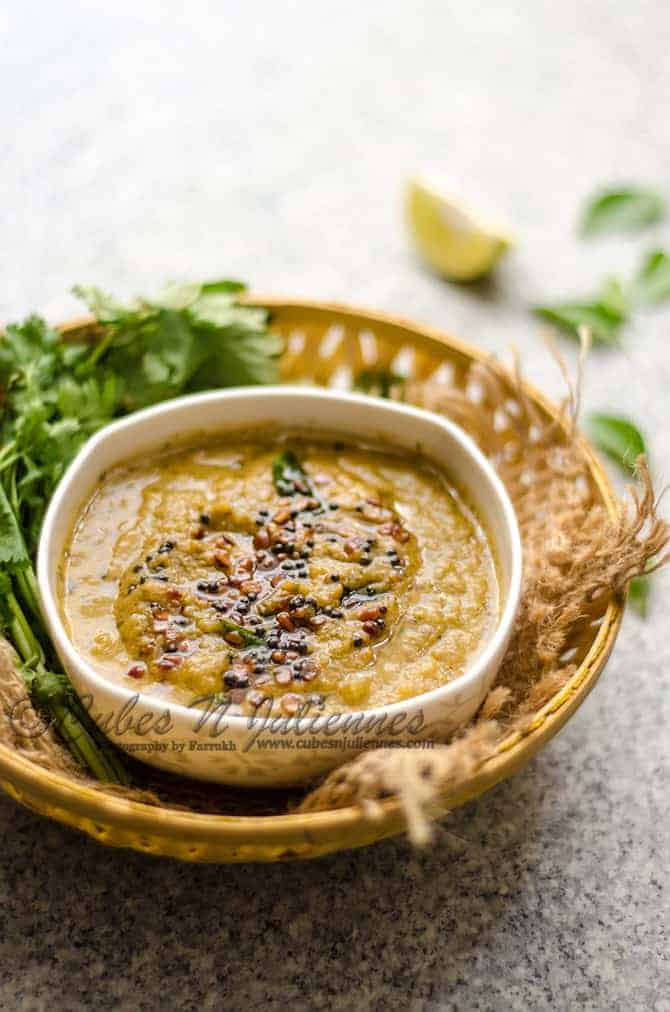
{"points": [[147, 141], [152, 141]]}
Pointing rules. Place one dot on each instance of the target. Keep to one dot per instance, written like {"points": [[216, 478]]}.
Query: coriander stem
{"points": [[98, 351], [91, 751], [4, 464], [27, 586], [26, 642], [7, 448], [112, 755], [81, 743]]}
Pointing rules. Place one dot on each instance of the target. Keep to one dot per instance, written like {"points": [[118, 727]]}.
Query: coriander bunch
{"points": [[54, 395]]}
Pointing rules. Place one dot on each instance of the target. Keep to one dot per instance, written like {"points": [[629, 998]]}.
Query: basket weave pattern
{"points": [[331, 345]]}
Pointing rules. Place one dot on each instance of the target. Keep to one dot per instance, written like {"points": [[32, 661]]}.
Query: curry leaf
{"points": [[248, 637], [614, 298], [602, 318], [604, 314], [652, 282], [618, 437], [623, 442], [288, 475], [622, 209]]}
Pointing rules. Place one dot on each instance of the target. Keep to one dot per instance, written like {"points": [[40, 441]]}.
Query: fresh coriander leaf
{"points": [[197, 338], [92, 401], [622, 210], [28, 348], [13, 554], [236, 356], [52, 687], [55, 394], [104, 307], [151, 359], [248, 637], [211, 302], [618, 437], [652, 281], [225, 285], [177, 296], [156, 369], [218, 309], [378, 382], [170, 358], [639, 594]]}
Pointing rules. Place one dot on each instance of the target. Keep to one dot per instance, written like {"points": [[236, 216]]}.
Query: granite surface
{"points": [[145, 141]]}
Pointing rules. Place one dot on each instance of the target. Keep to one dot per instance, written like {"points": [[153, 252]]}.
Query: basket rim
{"points": [[54, 789]]}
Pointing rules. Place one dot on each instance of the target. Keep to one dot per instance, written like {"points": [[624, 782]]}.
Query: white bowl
{"points": [[257, 751]]}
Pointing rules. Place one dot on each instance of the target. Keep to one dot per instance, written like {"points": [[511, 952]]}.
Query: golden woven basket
{"points": [[326, 344]]}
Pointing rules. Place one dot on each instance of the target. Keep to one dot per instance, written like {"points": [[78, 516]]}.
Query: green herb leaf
{"points": [[618, 437], [55, 394], [217, 698], [623, 442], [378, 382], [190, 337], [226, 285], [288, 474], [177, 296], [103, 306], [622, 210], [604, 314], [651, 285], [639, 594], [52, 687], [614, 298], [250, 638], [603, 318], [13, 552]]}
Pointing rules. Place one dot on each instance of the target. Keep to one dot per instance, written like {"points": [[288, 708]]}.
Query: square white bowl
{"points": [[229, 748]]}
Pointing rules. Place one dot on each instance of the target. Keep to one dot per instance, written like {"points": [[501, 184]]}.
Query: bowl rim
{"points": [[267, 396], [84, 806]]}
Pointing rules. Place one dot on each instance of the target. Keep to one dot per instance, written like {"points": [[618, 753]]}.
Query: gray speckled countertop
{"points": [[142, 141]]}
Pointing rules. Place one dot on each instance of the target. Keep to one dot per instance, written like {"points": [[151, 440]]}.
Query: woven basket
{"points": [[326, 344]]}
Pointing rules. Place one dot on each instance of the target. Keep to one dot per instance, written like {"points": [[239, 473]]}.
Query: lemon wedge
{"points": [[449, 236]]}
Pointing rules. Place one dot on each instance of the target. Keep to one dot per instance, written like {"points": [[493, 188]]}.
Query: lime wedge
{"points": [[449, 236]]}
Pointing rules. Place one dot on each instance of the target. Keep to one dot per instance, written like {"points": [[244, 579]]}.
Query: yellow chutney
{"points": [[327, 576]]}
